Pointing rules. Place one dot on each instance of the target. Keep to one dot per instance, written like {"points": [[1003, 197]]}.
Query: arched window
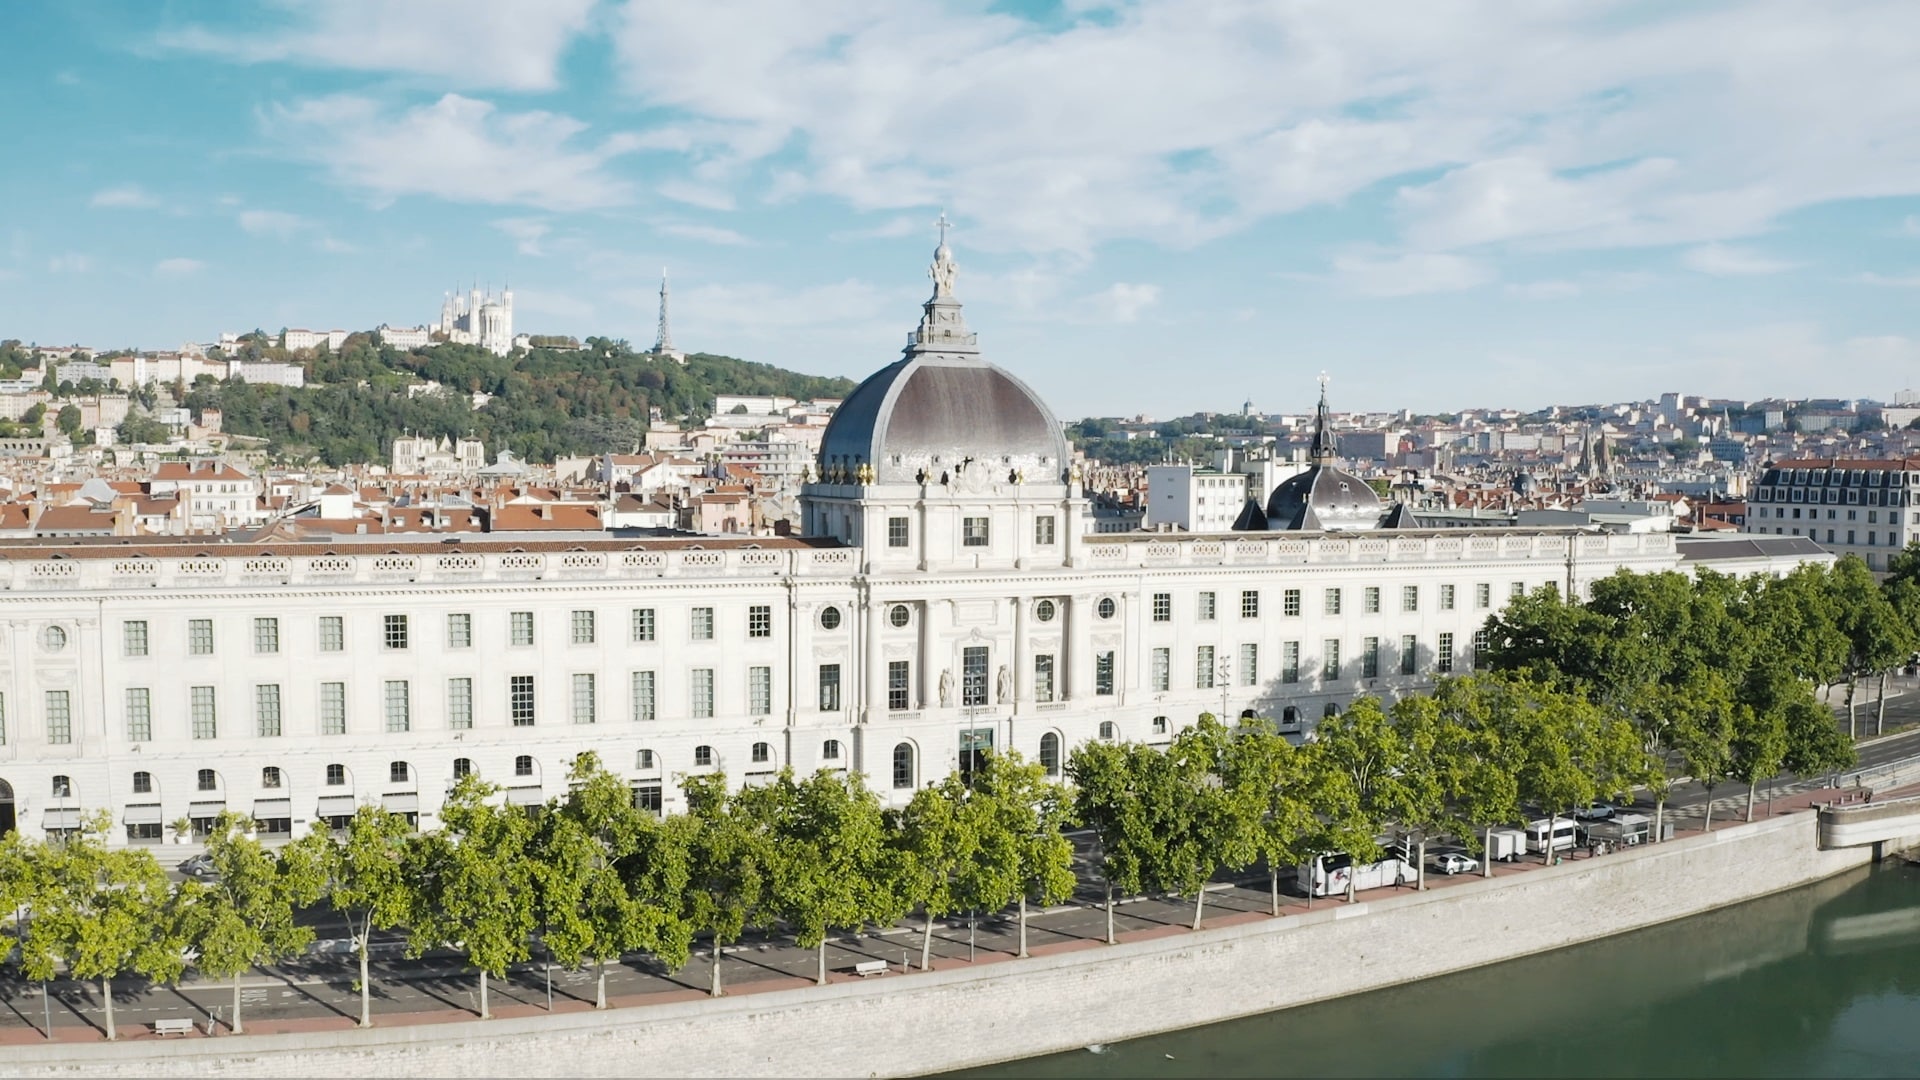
{"points": [[1290, 715], [703, 756], [336, 775], [1331, 710], [143, 783], [523, 765], [830, 750], [903, 766], [762, 753], [397, 772], [270, 776], [63, 787], [644, 760], [1249, 714], [206, 780], [1107, 730], [1050, 753], [1159, 725], [462, 768]]}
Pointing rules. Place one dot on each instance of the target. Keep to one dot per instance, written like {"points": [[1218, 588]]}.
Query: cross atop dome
{"points": [[942, 328]]}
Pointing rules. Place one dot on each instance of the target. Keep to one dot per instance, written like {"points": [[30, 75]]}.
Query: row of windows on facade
{"points": [[1852, 496], [1873, 537], [1785, 513], [1333, 601], [974, 532], [1874, 477], [1211, 668]]}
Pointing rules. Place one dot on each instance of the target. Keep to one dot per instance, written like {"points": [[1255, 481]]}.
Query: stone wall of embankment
{"points": [[903, 1025]]}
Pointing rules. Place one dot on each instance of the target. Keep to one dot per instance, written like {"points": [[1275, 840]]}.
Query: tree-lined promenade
{"points": [[1653, 677]]}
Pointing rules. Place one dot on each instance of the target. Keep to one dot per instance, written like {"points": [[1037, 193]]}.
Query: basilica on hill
{"points": [[948, 597]]}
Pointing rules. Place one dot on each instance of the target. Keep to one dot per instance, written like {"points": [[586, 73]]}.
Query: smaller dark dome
{"points": [[1323, 497]]}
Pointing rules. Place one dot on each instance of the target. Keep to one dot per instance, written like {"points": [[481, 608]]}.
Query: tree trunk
{"points": [[1750, 790], [1880, 707], [1353, 883], [1110, 938], [106, 995], [1546, 848], [714, 989], [1273, 880], [600, 992], [821, 978], [1023, 925], [238, 1028], [486, 1013], [1707, 821], [1659, 811], [1420, 872], [1199, 904], [926, 942], [1486, 850], [1853, 727], [366, 988]]}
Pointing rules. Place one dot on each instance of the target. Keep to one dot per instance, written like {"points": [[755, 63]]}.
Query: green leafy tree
{"points": [[1110, 796], [1369, 757], [730, 865], [1814, 744], [1203, 821], [242, 916], [1705, 741], [372, 887], [22, 881], [1555, 734], [1020, 817], [1480, 756], [474, 883], [830, 866], [1280, 782], [934, 840], [104, 912], [1876, 639]]}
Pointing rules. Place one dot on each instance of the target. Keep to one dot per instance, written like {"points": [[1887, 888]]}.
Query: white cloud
{"points": [[124, 197], [1123, 302], [178, 267], [705, 196], [849, 310], [275, 223], [509, 44], [458, 148], [1544, 290], [1723, 260], [706, 234], [1410, 274], [70, 263], [526, 232]]}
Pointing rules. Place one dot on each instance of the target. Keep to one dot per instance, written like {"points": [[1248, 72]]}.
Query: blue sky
{"points": [[1161, 206]]}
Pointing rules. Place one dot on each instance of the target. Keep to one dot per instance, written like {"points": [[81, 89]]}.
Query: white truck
{"points": [[1506, 844], [1332, 874]]}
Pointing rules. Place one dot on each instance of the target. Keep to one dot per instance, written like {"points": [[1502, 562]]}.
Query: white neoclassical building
{"points": [[949, 597]]}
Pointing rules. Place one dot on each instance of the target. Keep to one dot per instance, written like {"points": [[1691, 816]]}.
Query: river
{"points": [[1823, 980]]}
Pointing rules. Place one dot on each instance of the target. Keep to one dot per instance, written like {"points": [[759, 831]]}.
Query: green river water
{"points": [[1820, 981]]}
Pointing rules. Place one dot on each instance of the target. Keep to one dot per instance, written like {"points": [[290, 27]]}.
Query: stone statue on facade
{"points": [[946, 689], [1003, 686]]}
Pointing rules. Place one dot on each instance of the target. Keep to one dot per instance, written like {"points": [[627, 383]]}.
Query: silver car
{"points": [[1453, 863]]}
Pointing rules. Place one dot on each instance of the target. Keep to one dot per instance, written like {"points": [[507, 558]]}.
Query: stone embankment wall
{"points": [[905, 1025]]}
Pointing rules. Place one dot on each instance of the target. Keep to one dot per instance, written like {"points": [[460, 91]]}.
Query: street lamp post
{"points": [[1226, 682]]}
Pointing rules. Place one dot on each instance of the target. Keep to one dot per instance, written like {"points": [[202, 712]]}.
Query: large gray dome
{"points": [[931, 411], [1323, 497]]}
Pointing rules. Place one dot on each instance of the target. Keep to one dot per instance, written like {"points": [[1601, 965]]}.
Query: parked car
{"points": [[1452, 862], [200, 867], [1596, 812]]}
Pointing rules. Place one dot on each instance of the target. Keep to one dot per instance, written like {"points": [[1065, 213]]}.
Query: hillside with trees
{"points": [[544, 403]]}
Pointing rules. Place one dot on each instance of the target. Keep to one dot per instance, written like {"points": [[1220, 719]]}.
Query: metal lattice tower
{"points": [[663, 339]]}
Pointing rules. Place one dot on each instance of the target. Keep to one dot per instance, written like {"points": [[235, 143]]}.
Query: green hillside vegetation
{"points": [[546, 403]]}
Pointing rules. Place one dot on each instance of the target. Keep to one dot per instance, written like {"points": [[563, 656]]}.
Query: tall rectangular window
{"points": [[585, 699], [701, 624], [333, 708], [520, 628], [1331, 602], [1370, 658], [642, 624], [643, 701], [1483, 596], [973, 675], [200, 714], [1203, 668], [1410, 598], [829, 687], [1480, 639], [133, 637], [1162, 607], [897, 532], [899, 696], [3, 720], [1250, 602], [1330, 659], [266, 635], [759, 691], [1103, 672], [584, 630], [1043, 688], [200, 637], [1289, 661], [1163, 669], [1446, 598], [395, 631], [520, 700], [333, 633], [1204, 610], [1409, 655], [1443, 654], [1371, 600], [973, 532], [266, 710], [139, 714], [399, 705], [760, 621], [1519, 588], [59, 717], [1043, 530], [1290, 602], [701, 696], [460, 703], [1249, 664], [460, 630]]}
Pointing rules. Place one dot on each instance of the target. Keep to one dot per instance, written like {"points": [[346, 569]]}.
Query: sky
{"points": [[1160, 206]]}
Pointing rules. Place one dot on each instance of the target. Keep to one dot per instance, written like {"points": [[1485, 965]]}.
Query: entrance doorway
{"points": [[975, 744]]}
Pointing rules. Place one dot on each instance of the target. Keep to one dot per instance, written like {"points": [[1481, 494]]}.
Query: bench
{"points": [[175, 1026], [870, 967]]}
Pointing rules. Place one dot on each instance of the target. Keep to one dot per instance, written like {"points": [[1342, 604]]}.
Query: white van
{"points": [[1551, 834]]}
